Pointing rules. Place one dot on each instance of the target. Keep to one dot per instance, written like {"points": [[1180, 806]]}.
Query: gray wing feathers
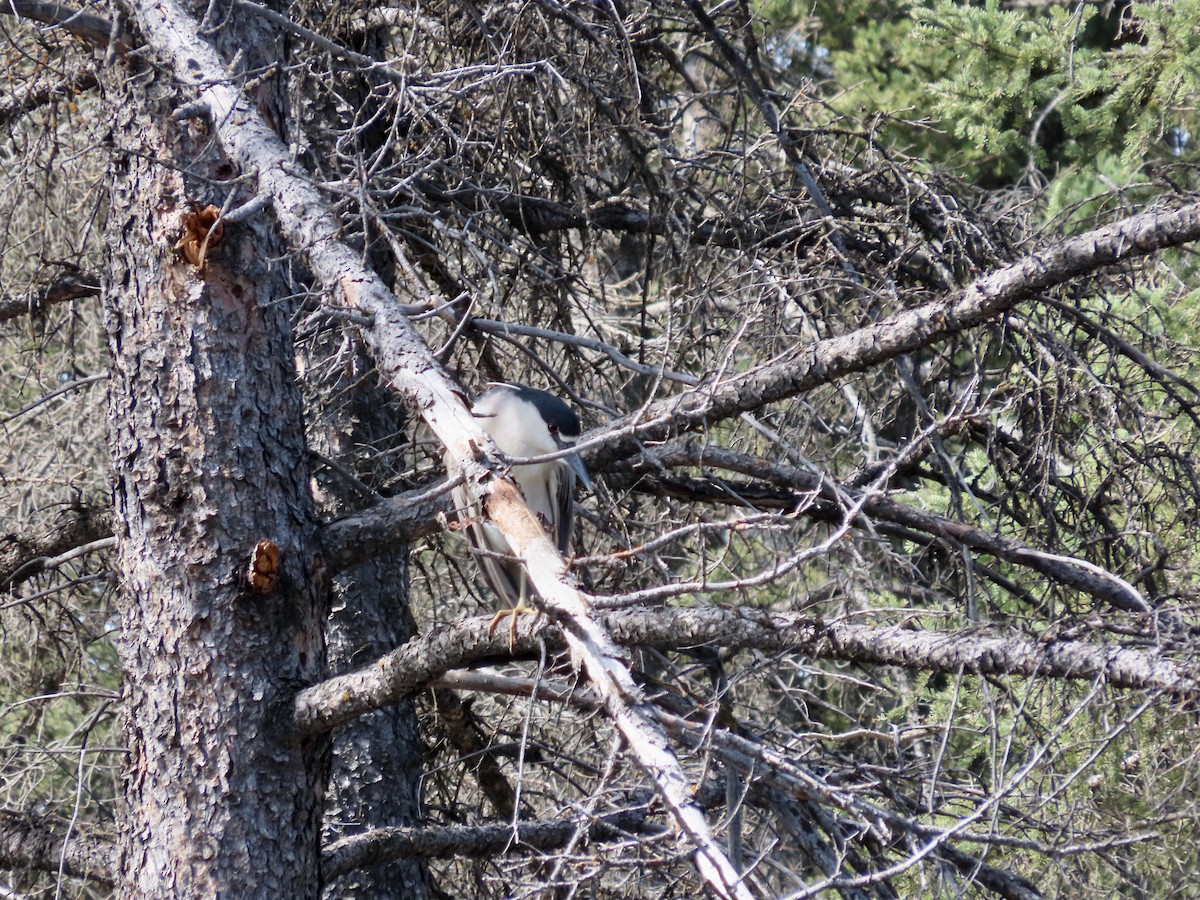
{"points": [[506, 577], [564, 498]]}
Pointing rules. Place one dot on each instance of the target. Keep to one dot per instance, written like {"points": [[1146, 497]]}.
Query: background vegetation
{"points": [[624, 203]]}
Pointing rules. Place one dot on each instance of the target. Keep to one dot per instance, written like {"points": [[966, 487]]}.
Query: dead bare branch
{"points": [[410, 368], [983, 300], [24, 556], [339, 699], [92, 28], [41, 91], [69, 287], [822, 498], [380, 845]]}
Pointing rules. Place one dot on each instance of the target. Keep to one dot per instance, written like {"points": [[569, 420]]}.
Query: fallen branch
{"points": [[408, 365]]}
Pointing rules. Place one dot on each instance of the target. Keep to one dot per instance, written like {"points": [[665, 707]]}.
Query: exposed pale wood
{"points": [[408, 365]]}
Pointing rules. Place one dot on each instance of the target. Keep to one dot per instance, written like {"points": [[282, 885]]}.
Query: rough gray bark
{"points": [[399, 519], [92, 28], [378, 760], [338, 700], [377, 765], [410, 367], [210, 459]]}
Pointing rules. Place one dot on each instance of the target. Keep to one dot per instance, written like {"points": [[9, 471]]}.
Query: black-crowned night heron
{"points": [[525, 422]]}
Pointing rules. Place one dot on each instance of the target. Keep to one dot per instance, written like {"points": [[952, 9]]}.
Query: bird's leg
{"points": [[521, 607]]}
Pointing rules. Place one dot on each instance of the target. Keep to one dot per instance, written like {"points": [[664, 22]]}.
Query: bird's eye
{"points": [[553, 429]]}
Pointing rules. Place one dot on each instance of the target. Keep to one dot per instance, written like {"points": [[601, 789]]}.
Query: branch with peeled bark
{"points": [[338, 700], [788, 776], [778, 790], [408, 365]]}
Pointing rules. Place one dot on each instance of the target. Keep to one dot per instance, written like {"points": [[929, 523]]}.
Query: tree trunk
{"points": [[209, 459], [377, 758], [377, 763]]}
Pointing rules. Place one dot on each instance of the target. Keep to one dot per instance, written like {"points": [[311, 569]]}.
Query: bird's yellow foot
{"points": [[521, 607]]}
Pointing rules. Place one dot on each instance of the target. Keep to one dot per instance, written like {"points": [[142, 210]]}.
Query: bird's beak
{"points": [[580, 470]]}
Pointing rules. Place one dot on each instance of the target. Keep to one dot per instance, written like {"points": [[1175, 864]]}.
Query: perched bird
{"points": [[525, 422]]}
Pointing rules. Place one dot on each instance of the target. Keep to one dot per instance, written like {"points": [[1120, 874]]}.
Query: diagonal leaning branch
{"points": [[408, 365]]}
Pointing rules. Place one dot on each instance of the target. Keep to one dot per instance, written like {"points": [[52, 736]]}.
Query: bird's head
{"points": [[526, 422]]}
